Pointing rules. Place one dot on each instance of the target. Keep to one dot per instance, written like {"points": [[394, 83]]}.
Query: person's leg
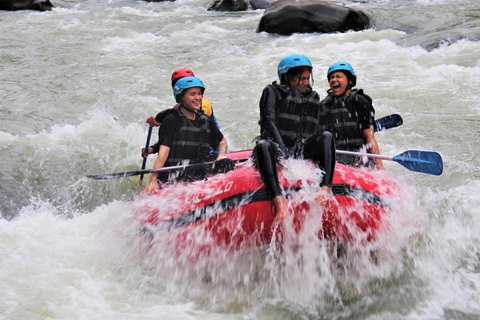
{"points": [[321, 148], [265, 155]]}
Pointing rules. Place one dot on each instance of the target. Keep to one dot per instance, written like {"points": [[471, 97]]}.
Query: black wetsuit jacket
{"points": [[291, 120], [288, 117], [348, 118]]}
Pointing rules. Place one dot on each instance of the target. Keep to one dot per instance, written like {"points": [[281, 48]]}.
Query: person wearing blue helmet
{"points": [[290, 126], [187, 135], [351, 115], [158, 119]]}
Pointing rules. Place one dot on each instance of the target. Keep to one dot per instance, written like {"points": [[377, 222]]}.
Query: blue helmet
{"points": [[292, 61], [343, 66], [185, 83]]}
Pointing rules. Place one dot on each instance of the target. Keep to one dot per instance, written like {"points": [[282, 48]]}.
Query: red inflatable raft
{"points": [[233, 211]]}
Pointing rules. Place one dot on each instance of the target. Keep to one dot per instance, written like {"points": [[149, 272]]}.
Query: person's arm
{"points": [[159, 163], [217, 140], [153, 148], [166, 136], [366, 119], [373, 146], [268, 115], [151, 121], [156, 122], [222, 149], [163, 114]]}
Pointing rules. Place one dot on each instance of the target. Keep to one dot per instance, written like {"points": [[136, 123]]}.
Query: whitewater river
{"points": [[78, 82]]}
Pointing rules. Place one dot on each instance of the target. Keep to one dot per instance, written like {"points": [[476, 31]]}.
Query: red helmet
{"points": [[182, 72]]}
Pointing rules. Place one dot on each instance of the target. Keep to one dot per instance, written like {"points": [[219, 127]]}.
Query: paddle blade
{"points": [[421, 161], [387, 122]]}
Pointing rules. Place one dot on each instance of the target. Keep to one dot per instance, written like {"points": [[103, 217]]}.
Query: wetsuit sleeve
{"points": [[163, 114], [159, 118], [155, 147], [268, 115], [217, 135], [214, 120], [168, 130]]}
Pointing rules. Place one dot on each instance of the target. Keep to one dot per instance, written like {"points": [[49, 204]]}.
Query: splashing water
{"points": [[294, 264]]}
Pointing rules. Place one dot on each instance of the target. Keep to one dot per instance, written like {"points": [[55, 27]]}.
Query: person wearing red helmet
{"points": [[158, 119]]}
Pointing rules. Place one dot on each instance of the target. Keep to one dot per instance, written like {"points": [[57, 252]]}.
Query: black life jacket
{"points": [[297, 114], [344, 122], [192, 142]]}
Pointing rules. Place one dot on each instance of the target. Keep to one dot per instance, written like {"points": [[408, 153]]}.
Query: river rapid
{"points": [[76, 86]]}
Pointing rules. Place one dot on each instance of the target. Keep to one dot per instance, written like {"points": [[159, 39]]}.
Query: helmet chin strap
{"points": [[182, 105], [347, 88]]}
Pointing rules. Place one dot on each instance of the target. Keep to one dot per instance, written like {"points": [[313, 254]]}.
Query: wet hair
{"points": [[295, 73]]}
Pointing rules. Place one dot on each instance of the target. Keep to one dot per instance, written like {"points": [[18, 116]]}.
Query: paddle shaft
{"points": [[146, 150], [363, 154], [429, 162], [155, 170], [387, 122]]}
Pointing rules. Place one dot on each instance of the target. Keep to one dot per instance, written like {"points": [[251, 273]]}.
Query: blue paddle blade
{"points": [[421, 161], [391, 121]]}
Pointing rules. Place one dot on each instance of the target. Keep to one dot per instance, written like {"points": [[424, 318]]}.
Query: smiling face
{"points": [[338, 82], [301, 81], [192, 98]]}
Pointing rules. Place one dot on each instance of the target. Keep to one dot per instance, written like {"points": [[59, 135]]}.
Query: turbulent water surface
{"points": [[76, 86]]}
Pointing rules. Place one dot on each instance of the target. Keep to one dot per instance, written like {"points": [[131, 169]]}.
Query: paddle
{"points": [[146, 150], [387, 122], [419, 161], [145, 171]]}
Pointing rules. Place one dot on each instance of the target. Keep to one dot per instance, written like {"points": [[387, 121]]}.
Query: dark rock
{"points": [[307, 16], [229, 5], [40, 5], [260, 4]]}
